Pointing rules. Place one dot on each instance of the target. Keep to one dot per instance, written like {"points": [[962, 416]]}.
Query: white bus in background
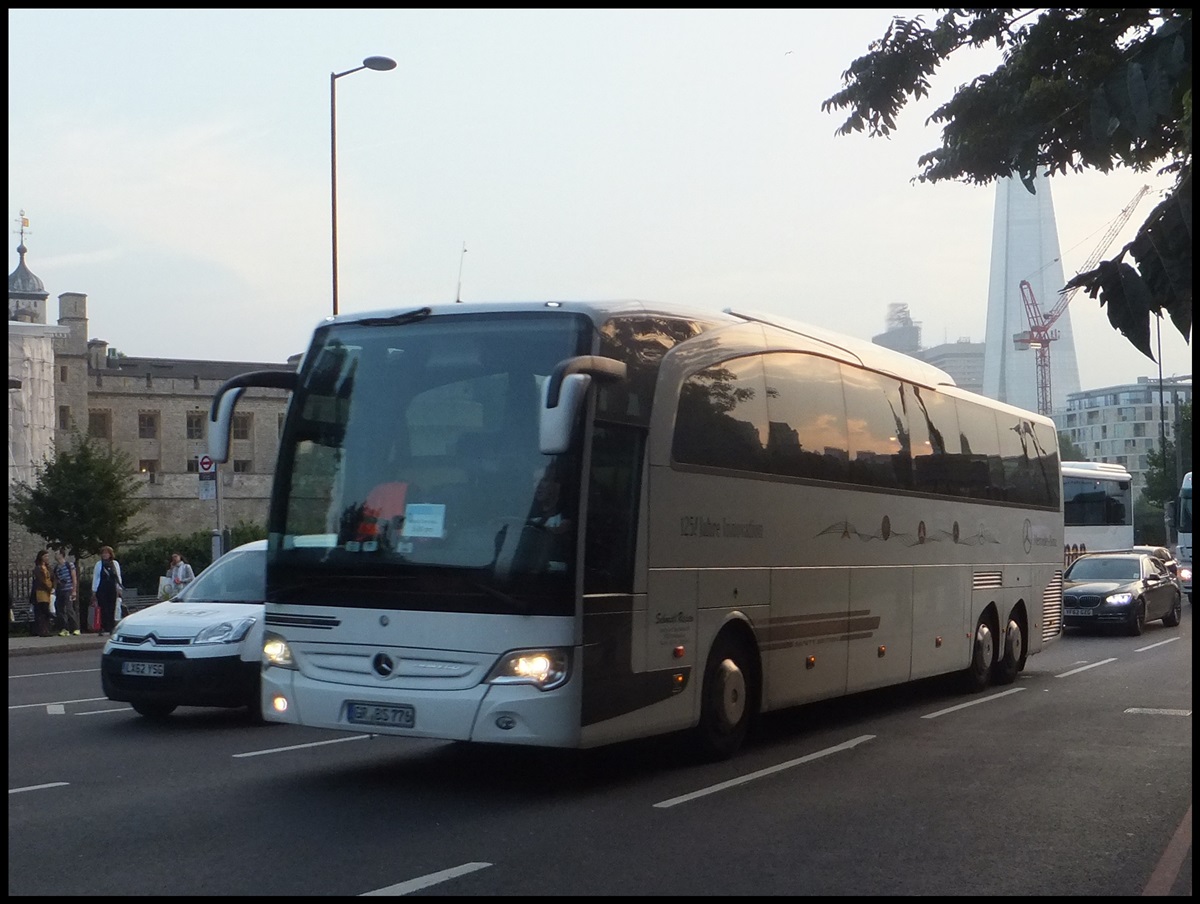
{"points": [[1097, 508], [1183, 520], [569, 524]]}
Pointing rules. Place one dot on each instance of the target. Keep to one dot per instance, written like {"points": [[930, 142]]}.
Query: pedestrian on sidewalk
{"points": [[107, 588], [43, 586], [180, 573], [66, 595]]}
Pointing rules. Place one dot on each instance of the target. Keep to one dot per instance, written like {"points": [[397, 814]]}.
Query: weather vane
{"points": [[23, 222]]}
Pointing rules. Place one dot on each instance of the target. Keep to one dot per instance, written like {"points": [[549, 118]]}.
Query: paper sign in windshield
{"points": [[424, 520]]}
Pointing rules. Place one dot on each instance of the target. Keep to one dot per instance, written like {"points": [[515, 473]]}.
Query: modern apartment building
{"points": [[1120, 424]]}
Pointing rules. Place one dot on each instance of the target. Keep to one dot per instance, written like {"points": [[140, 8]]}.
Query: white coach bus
{"points": [[570, 524], [1097, 508]]}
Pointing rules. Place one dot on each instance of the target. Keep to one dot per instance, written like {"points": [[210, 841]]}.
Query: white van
{"points": [[200, 648]]}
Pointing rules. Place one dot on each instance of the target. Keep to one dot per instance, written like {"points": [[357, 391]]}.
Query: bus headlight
{"points": [[1119, 599], [544, 669], [276, 651]]}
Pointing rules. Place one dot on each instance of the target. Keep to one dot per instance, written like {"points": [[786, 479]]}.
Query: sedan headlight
{"points": [[276, 652], [544, 669], [1119, 599], [226, 632]]}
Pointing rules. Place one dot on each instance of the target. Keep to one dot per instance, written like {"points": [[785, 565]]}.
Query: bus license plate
{"points": [[145, 669], [398, 716], [1079, 612]]}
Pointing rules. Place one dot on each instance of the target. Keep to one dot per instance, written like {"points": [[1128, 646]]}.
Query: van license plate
{"points": [[397, 716], [144, 669]]}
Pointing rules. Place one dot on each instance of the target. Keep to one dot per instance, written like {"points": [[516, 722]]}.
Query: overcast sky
{"points": [[175, 168]]}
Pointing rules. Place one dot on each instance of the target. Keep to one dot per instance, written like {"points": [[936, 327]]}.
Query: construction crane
{"points": [[1041, 330]]}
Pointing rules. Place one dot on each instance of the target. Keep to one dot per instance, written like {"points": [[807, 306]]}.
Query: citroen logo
{"points": [[1027, 536], [383, 665]]}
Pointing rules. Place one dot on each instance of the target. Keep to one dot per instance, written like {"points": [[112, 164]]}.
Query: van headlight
{"points": [[226, 632], [1185, 573], [276, 651], [544, 669]]}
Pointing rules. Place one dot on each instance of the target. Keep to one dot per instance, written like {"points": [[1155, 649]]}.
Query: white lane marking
{"points": [[771, 770], [49, 674], [1153, 645], [1086, 667], [56, 703], [55, 709], [358, 737], [38, 787], [104, 712], [1140, 711], [411, 885], [956, 708]]}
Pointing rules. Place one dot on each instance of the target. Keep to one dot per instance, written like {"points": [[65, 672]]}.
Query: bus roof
{"points": [[1095, 469]]}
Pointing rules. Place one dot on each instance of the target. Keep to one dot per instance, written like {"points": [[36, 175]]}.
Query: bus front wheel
{"points": [[729, 697]]}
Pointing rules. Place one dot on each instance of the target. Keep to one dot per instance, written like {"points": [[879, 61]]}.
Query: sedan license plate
{"points": [[1079, 612], [145, 669], [397, 716]]}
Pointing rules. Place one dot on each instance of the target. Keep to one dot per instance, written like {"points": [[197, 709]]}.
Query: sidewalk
{"points": [[23, 645]]}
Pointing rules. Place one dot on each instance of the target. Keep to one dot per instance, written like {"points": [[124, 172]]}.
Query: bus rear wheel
{"points": [[1012, 658], [729, 697], [976, 676]]}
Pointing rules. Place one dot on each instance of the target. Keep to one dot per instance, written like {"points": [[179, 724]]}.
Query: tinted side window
{"points": [[933, 422], [722, 419], [641, 343], [880, 448], [807, 411], [1029, 472], [983, 472]]}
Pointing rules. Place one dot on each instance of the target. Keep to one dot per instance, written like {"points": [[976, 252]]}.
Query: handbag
{"points": [[94, 616]]}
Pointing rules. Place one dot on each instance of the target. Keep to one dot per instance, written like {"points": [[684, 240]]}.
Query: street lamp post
{"points": [[379, 64]]}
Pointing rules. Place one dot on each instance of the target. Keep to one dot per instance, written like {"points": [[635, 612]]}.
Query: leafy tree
{"points": [[1068, 451], [1162, 473], [83, 497], [1078, 89]]}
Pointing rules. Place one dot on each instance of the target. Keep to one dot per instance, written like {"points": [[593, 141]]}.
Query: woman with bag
{"points": [[107, 588], [43, 586]]}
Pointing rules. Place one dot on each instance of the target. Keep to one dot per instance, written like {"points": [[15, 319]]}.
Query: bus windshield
{"points": [[409, 469]]}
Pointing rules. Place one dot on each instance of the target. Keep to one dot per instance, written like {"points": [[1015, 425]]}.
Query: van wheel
{"points": [[729, 697], [976, 676], [1012, 660], [154, 710]]}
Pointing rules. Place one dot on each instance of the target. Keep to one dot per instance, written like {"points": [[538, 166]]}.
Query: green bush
{"points": [[142, 565]]}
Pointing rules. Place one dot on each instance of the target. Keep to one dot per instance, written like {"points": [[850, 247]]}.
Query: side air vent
{"points": [[1052, 603], [988, 580]]}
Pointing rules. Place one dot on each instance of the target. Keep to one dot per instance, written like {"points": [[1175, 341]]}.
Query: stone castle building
{"points": [[155, 410]]}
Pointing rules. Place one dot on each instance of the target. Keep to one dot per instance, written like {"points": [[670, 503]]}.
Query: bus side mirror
{"points": [[554, 425], [220, 420], [564, 393], [220, 413]]}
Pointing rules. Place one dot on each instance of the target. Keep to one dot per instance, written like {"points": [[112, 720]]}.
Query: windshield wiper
{"points": [[396, 319]]}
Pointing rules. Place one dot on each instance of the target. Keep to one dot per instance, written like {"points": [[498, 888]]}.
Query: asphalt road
{"points": [[1074, 781]]}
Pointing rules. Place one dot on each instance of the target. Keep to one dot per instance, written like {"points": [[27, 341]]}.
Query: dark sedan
{"points": [[1126, 589]]}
